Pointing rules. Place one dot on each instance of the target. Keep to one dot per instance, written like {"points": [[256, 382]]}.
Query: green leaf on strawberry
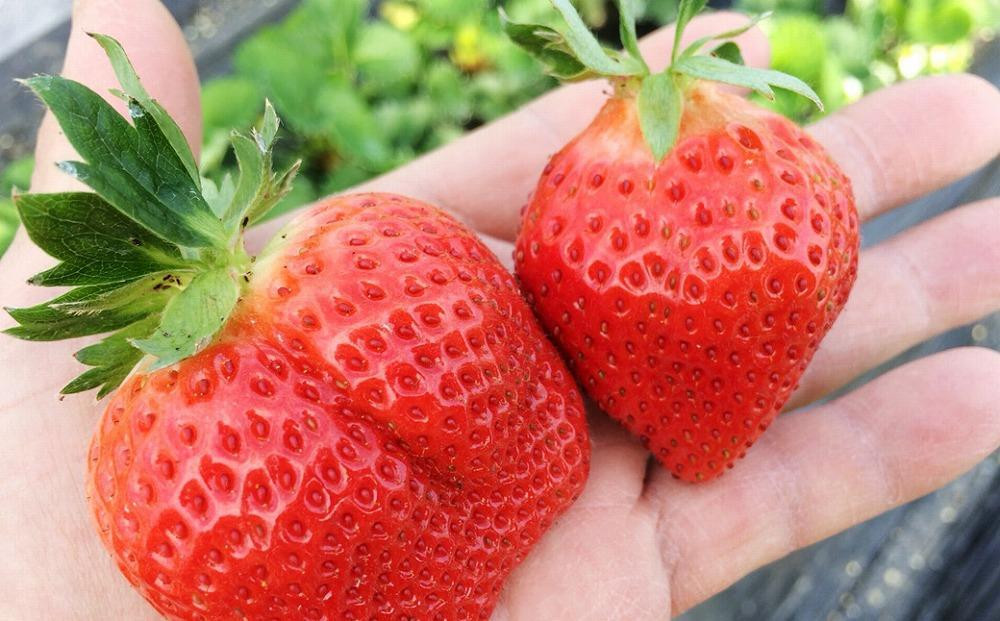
{"points": [[154, 253], [573, 53], [134, 168], [132, 88], [259, 188], [95, 243], [719, 69], [660, 104], [112, 359], [686, 10], [548, 46], [192, 317], [628, 10], [729, 52]]}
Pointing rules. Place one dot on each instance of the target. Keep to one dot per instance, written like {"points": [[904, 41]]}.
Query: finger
{"points": [[161, 57], [485, 176], [937, 276], [909, 139], [80, 581], [503, 249], [593, 564], [816, 473]]}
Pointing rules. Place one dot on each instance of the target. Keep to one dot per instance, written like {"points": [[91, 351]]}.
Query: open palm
{"points": [[637, 545]]}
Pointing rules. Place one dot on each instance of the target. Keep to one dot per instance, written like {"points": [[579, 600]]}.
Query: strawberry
{"points": [[364, 422], [689, 250]]}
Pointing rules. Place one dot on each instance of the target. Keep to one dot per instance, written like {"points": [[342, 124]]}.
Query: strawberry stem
{"points": [[573, 53]]}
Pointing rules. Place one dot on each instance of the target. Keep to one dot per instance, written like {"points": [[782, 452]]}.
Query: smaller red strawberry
{"points": [[689, 250]]}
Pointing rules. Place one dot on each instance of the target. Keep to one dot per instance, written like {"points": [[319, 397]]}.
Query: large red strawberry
{"points": [[365, 422], [689, 250]]}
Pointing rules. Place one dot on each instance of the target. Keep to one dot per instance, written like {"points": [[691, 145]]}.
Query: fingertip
{"points": [[974, 371], [982, 98], [972, 95], [944, 403], [157, 49], [911, 138], [956, 427]]}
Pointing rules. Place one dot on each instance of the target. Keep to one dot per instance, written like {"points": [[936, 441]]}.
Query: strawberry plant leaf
{"points": [[303, 192], [586, 47], [108, 377], [660, 105], [251, 163], [50, 322], [94, 242], [192, 317], [48, 312], [627, 13], [573, 53], [132, 87], [115, 344], [114, 357], [268, 127], [760, 80], [157, 253], [219, 196], [259, 188], [135, 169], [686, 11], [139, 291], [549, 47], [270, 194], [729, 51]]}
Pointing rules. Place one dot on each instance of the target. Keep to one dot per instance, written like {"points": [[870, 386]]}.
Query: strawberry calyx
{"points": [[155, 254], [572, 53]]}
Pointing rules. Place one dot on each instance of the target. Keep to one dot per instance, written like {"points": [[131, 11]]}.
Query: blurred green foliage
{"points": [[872, 44], [361, 96], [16, 176], [363, 90]]}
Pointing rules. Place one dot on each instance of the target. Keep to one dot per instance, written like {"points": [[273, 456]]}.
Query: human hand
{"points": [[636, 545]]}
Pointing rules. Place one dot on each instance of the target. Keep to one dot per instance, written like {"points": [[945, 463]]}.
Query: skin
{"points": [[641, 545]]}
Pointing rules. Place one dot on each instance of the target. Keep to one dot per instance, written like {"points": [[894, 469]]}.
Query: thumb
{"points": [[156, 47]]}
